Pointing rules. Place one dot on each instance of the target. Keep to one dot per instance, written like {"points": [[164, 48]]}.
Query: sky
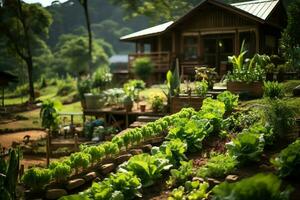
{"points": [[43, 2]]}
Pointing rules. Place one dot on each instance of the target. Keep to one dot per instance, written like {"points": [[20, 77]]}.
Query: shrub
{"points": [[143, 67], [260, 186], [79, 160], [157, 104], [230, 100], [66, 86], [218, 166], [36, 178], [84, 86], [132, 88], [273, 90], [22, 90], [288, 161], [49, 115]]}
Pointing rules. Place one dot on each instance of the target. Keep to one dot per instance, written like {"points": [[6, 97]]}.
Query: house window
{"points": [[270, 44], [190, 47]]}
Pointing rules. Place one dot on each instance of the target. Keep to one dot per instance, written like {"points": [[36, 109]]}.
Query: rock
{"points": [[147, 148], [122, 158], [296, 91], [107, 168], [55, 193], [231, 178], [213, 182], [75, 183], [90, 176], [136, 151], [201, 180]]}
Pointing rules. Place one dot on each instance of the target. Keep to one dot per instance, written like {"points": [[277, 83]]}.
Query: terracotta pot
{"points": [[254, 89], [143, 108]]}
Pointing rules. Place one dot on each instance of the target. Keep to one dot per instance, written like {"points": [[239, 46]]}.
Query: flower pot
{"points": [[254, 89], [143, 108], [93, 101]]}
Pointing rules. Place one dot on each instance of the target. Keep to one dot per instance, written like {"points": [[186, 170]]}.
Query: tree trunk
{"points": [[28, 58], [88, 24]]}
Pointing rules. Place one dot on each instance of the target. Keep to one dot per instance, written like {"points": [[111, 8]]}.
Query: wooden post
{"points": [[21, 171], [237, 42], [3, 96], [48, 149], [76, 142], [257, 40]]}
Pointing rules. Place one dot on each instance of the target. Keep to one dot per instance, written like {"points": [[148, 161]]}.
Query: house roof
{"points": [[118, 59], [6, 77], [149, 31], [258, 10]]}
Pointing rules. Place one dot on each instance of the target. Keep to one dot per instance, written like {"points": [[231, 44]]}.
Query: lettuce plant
{"points": [[121, 185], [148, 168], [174, 150], [36, 178], [79, 160], [191, 191], [218, 165], [230, 100], [246, 147], [60, 171], [288, 161], [111, 149], [260, 186], [180, 175], [96, 153]]}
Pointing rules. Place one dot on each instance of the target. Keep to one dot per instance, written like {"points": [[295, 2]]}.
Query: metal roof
{"points": [[149, 31], [118, 59], [260, 8]]}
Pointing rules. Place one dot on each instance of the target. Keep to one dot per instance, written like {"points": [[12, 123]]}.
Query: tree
{"points": [[157, 10], [73, 50], [290, 41], [84, 4], [23, 25]]}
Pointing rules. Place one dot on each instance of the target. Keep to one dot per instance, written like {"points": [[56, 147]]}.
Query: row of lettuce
{"points": [[186, 132]]}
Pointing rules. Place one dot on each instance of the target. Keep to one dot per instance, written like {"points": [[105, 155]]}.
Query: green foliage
{"points": [[273, 90], [288, 161], [247, 71], [101, 78], [110, 148], [133, 88], [280, 117], [60, 171], [65, 86], [230, 100], [191, 131], [218, 166], [173, 81], [9, 170], [143, 68], [201, 88], [84, 85], [148, 168], [157, 104], [260, 186], [246, 147], [180, 175], [207, 74], [79, 160], [174, 150], [191, 191], [36, 178], [125, 185], [96, 153], [49, 114]]}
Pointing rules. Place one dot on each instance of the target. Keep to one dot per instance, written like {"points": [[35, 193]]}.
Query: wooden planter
{"points": [[254, 89], [93, 101], [177, 103]]}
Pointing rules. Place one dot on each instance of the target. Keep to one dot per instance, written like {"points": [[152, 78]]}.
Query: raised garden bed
{"points": [[179, 102], [254, 89]]}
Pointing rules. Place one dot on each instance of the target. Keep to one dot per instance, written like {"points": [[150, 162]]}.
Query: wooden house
{"points": [[209, 33]]}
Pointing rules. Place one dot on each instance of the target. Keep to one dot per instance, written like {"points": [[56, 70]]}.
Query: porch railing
{"points": [[161, 60]]}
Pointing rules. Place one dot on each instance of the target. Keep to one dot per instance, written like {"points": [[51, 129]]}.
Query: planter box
{"points": [[93, 101], [254, 89], [177, 103]]}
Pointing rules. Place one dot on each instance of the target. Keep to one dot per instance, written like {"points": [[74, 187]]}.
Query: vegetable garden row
{"points": [[249, 134]]}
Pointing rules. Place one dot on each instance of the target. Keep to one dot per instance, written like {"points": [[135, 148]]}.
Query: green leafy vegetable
{"points": [[179, 176], [36, 178], [230, 100]]}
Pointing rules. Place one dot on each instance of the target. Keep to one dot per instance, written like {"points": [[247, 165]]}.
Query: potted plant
{"points": [[247, 76], [132, 88], [128, 103], [208, 74], [83, 87]]}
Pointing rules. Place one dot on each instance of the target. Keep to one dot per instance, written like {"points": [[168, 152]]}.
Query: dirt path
{"points": [[7, 139]]}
